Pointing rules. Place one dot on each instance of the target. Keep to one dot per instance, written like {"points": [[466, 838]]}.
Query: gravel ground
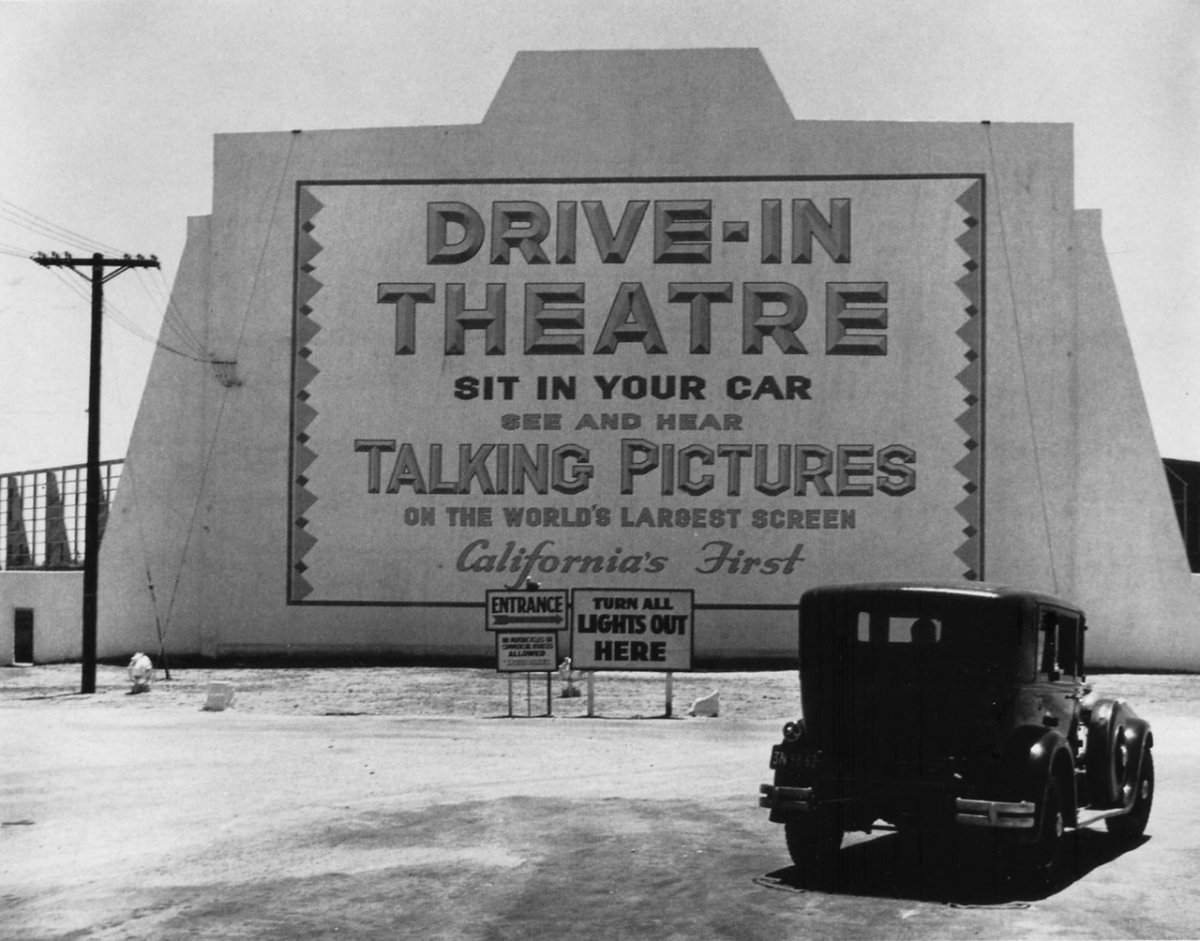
{"points": [[379, 803], [467, 693], [409, 691]]}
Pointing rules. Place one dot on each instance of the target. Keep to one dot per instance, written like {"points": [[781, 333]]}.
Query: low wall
{"points": [[56, 599]]}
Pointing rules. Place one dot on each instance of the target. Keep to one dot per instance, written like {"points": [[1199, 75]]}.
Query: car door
{"points": [[1059, 668]]}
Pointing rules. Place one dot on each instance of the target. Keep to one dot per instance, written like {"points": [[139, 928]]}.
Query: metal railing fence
{"points": [[43, 512]]}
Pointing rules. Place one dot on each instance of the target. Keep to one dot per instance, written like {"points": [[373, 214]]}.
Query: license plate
{"points": [[783, 759]]}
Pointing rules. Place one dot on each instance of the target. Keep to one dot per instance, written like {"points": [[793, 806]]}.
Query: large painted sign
{"points": [[744, 386]]}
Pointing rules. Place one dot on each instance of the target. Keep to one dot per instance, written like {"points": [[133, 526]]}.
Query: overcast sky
{"points": [[109, 109]]}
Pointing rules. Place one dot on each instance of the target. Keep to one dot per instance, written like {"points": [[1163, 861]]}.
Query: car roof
{"points": [[962, 589]]}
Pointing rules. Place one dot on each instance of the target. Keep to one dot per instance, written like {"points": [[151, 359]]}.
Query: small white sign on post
{"points": [[632, 629], [526, 651]]}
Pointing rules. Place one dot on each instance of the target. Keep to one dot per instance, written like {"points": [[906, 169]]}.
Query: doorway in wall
{"points": [[23, 635]]}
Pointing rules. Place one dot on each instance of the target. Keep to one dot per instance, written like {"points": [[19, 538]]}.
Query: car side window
{"points": [[1068, 644], [1048, 644], [1058, 644]]}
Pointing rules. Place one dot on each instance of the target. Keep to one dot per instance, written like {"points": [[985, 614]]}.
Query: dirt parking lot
{"points": [[386, 803]]}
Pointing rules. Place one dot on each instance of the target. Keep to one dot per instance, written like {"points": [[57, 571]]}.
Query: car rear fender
{"points": [[1117, 739], [1031, 755]]}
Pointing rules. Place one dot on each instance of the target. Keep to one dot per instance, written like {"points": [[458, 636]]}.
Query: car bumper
{"points": [[778, 797], [1006, 815]]}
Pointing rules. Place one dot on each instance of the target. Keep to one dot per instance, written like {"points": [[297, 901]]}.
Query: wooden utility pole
{"points": [[98, 275]]}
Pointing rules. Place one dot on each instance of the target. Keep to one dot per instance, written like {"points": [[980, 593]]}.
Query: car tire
{"points": [[1041, 866], [813, 841], [1129, 827]]}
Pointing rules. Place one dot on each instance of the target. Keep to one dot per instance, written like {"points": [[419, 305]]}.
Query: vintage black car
{"points": [[954, 706]]}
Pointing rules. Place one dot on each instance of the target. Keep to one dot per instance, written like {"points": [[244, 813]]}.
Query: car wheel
{"points": [[1041, 866], [1130, 826], [813, 841]]}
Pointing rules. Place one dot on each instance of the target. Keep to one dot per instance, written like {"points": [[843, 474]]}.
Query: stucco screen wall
{"points": [[358, 491]]}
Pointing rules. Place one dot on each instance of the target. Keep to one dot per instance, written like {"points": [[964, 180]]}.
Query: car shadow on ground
{"points": [[960, 872]]}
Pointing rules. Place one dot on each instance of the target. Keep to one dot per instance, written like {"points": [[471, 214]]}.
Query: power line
{"points": [[173, 318], [9, 246], [42, 226], [188, 345], [127, 323]]}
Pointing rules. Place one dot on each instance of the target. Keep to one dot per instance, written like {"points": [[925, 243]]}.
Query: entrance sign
{"points": [[527, 610], [632, 629], [744, 385], [526, 651]]}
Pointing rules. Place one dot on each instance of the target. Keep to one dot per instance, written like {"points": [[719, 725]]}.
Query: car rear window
{"points": [[897, 629]]}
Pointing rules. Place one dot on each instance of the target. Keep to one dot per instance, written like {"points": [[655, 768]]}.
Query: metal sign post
{"points": [[527, 652], [526, 624]]}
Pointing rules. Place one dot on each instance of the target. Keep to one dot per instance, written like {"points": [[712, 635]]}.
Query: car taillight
{"points": [[793, 731]]}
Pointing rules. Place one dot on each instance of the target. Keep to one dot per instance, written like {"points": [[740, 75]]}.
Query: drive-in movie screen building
{"points": [[638, 509]]}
